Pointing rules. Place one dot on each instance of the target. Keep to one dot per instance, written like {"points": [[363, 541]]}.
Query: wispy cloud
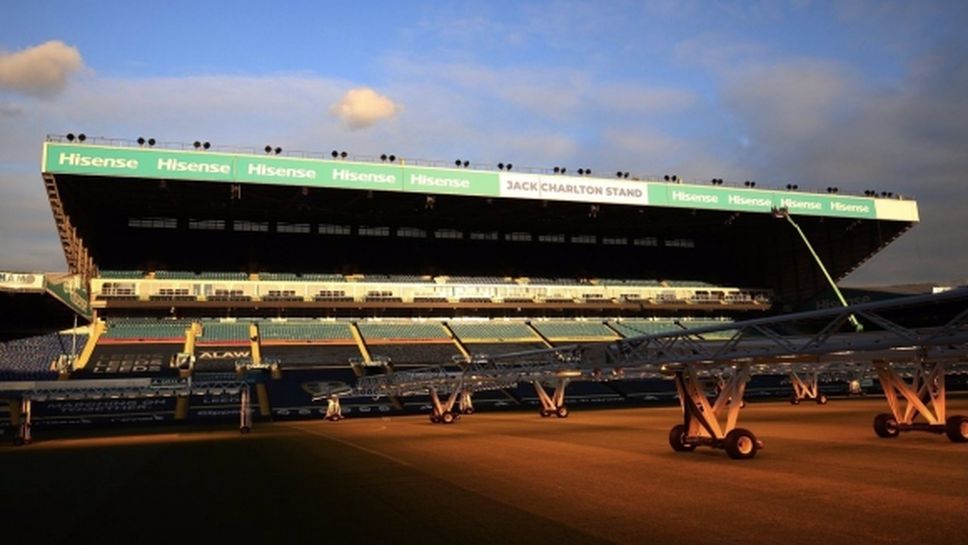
{"points": [[41, 70]]}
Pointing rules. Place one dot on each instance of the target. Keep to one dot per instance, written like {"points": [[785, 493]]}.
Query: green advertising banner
{"points": [[210, 166], [167, 164], [757, 200]]}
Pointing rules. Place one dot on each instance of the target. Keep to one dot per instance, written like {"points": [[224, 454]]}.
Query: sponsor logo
{"points": [[224, 354], [346, 175], [78, 160], [176, 165], [260, 169]]}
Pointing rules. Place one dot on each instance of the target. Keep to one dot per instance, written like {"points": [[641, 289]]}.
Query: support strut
{"points": [[334, 412], [24, 436], [806, 387], [712, 424], [464, 403], [443, 411], [553, 404], [245, 410], [923, 397]]}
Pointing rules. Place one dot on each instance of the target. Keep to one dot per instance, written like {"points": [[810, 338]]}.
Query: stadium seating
{"points": [[416, 354], [32, 358], [122, 274], [575, 330], [402, 330], [304, 331], [205, 275], [139, 329], [311, 355], [222, 332], [493, 332]]}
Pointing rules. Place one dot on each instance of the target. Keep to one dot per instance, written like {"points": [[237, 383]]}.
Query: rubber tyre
{"points": [[822, 399], [545, 413], [740, 444], [677, 439], [562, 412], [469, 410], [448, 418], [794, 400], [885, 426], [244, 430], [435, 419], [956, 428]]}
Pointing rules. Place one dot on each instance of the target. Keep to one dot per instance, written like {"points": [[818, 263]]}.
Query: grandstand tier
{"points": [[492, 226]]}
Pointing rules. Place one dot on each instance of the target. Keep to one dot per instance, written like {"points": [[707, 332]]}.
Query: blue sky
{"points": [[858, 94]]}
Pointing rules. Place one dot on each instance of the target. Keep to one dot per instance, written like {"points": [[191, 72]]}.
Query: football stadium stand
{"points": [[222, 270]]}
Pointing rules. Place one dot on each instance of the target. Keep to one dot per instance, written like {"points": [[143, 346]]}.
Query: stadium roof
{"points": [[126, 207]]}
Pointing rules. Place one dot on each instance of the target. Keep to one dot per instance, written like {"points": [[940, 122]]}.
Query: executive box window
{"points": [[206, 225], [153, 223], [333, 229]]}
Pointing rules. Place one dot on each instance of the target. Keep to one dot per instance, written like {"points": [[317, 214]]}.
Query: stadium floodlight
{"points": [[784, 213], [70, 137]]}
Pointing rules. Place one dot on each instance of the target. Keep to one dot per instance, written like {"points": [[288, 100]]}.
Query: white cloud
{"points": [[40, 70], [362, 107]]}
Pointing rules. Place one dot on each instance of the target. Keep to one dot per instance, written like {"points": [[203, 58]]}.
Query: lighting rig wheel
{"points": [[740, 444], [822, 399], [448, 418], [545, 413], [434, 418], [794, 400], [677, 439], [562, 412], [244, 430], [742, 404], [885, 425], [956, 428], [469, 410]]}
